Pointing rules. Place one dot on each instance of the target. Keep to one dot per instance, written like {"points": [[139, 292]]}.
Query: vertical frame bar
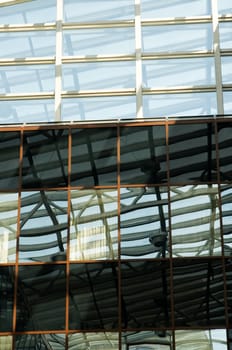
{"points": [[58, 60], [138, 55]]}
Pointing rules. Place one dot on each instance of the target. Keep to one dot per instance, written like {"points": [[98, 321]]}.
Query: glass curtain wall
{"points": [[101, 59], [116, 236]]}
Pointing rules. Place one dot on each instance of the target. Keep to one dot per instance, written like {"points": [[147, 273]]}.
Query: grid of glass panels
{"points": [[116, 236], [101, 59]]}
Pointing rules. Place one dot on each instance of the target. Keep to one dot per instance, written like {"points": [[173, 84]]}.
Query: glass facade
{"points": [[115, 175], [98, 59], [116, 236]]}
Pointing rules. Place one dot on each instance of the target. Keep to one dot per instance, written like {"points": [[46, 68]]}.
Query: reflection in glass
{"points": [[143, 155], [226, 201], [214, 339], [93, 341], [192, 153], [6, 297], [229, 289], [40, 341], [41, 298], [9, 160], [198, 293], [8, 226], [93, 296], [195, 221], [44, 223], [147, 340], [144, 222], [6, 342], [145, 294], [94, 157], [93, 228], [225, 150], [45, 158]]}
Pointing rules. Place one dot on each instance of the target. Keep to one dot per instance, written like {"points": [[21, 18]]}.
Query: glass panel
{"points": [[99, 75], [147, 340], [195, 221], [226, 200], [45, 158], [192, 153], [188, 37], [224, 7], [228, 263], [6, 298], [93, 341], [27, 79], [225, 30], [93, 291], [214, 339], [40, 341], [94, 156], [27, 44], [143, 155], [28, 12], [99, 108], [6, 342], [227, 96], [225, 149], [145, 294], [198, 293], [26, 111], [98, 10], [8, 226], [9, 160], [179, 105], [93, 229], [144, 222], [230, 339], [99, 41], [44, 225], [178, 72], [41, 298], [226, 69], [171, 8]]}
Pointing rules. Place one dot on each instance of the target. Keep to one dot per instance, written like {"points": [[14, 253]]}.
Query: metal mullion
{"points": [[138, 53], [98, 24], [58, 60], [26, 61], [27, 27], [217, 57], [177, 21], [98, 58]]}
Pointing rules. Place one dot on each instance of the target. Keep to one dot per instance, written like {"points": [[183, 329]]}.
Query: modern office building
{"points": [[115, 175]]}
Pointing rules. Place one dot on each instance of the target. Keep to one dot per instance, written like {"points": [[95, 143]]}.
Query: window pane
{"points": [[44, 223], [99, 340], [40, 341], [226, 201], [227, 69], [93, 230], [225, 30], [214, 339], [27, 44], [45, 162], [9, 160], [179, 105], [145, 294], [198, 293], [94, 157], [99, 76], [229, 291], [147, 340], [7, 298], [188, 37], [144, 222], [181, 72], [143, 155], [225, 149], [171, 8], [99, 41], [93, 302], [8, 226], [195, 221], [26, 111], [6, 342], [98, 10], [41, 298], [99, 108], [192, 153], [27, 79]]}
